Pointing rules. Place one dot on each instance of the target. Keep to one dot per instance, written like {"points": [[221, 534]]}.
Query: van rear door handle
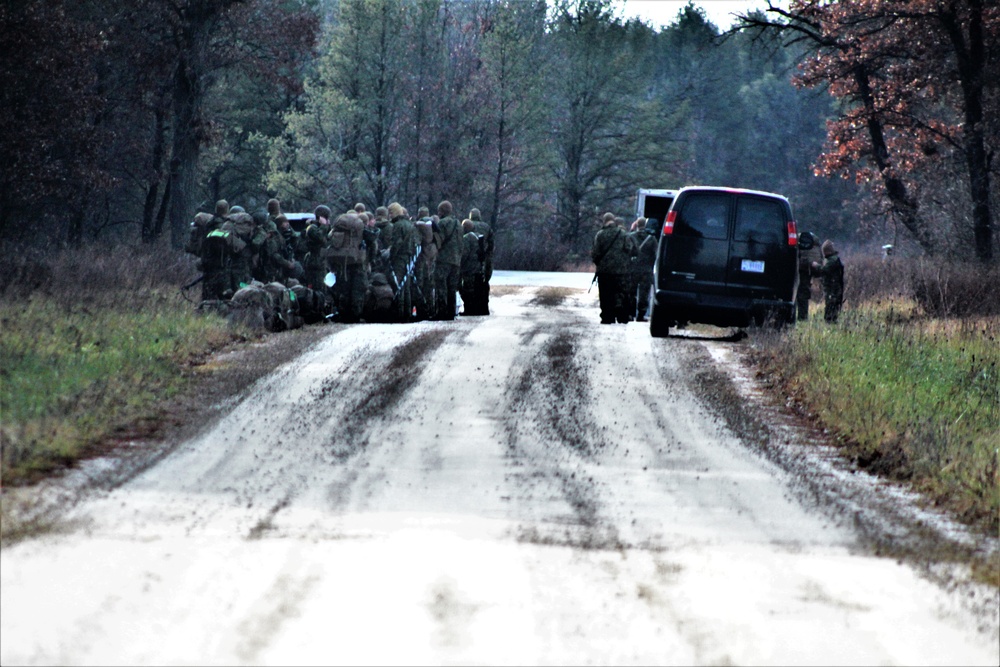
{"points": [[680, 274]]}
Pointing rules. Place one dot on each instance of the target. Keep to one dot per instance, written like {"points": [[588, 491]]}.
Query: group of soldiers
{"points": [[625, 261], [358, 265]]}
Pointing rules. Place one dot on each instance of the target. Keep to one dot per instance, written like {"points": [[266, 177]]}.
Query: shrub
{"points": [[956, 290]]}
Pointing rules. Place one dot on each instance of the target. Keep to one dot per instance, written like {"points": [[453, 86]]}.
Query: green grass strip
{"points": [[917, 400], [71, 375]]}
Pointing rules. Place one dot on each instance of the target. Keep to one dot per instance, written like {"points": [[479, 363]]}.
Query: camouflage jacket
{"points": [[405, 240], [610, 251], [473, 253], [315, 242], [451, 245], [644, 243], [484, 230], [832, 273]]}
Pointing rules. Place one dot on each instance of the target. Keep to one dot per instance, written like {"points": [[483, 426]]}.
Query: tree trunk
{"points": [[149, 232], [186, 145], [971, 58], [903, 205], [161, 214]]}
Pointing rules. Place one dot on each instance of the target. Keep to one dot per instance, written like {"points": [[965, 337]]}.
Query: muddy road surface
{"points": [[529, 488]]}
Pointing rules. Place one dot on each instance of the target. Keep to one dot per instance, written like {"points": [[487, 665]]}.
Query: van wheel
{"points": [[659, 325]]}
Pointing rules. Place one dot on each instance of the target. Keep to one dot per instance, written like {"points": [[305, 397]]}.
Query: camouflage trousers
{"points": [[613, 298], [349, 291], [447, 277]]}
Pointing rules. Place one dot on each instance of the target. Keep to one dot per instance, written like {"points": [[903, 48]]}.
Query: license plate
{"points": [[752, 266]]}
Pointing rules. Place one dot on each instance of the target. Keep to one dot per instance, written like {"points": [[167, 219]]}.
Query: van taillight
{"points": [[793, 235], [668, 224]]}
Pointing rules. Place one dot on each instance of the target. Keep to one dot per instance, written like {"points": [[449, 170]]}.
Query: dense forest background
{"points": [[877, 118]]}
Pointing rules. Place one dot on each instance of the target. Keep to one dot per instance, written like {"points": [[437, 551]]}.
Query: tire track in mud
{"points": [[331, 424], [349, 414], [550, 432], [386, 391]]}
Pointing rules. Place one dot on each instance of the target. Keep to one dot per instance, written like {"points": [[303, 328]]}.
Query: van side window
{"points": [[760, 221], [704, 216]]}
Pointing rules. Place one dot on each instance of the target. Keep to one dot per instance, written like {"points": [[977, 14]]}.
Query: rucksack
{"points": [[346, 238], [220, 246], [197, 233]]}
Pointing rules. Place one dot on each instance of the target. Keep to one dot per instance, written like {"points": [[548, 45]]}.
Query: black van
{"points": [[727, 257]]}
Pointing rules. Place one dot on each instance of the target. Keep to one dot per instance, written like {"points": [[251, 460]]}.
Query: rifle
{"points": [[190, 285], [194, 282], [592, 283]]}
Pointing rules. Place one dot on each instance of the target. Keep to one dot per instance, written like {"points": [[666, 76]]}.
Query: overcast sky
{"points": [[661, 12]]}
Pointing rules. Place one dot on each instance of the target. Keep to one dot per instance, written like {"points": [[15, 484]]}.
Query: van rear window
{"points": [[760, 220], [704, 216]]}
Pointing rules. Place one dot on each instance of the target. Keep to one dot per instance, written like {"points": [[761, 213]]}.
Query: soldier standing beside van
{"points": [[638, 287], [611, 259], [832, 272], [808, 254], [645, 260]]}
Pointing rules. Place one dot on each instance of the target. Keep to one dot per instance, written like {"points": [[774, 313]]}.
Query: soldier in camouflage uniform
{"points": [[832, 273], [294, 245], [426, 263], [808, 255], [449, 262], [215, 254], [473, 270], [402, 254], [484, 230], [241, 273], [346, 255], [610, 253], [315, 263], [644, 242], [384, 227], [272, 264]]}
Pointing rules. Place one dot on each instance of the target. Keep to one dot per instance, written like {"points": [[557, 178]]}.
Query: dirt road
{"points": [[531, 487]]}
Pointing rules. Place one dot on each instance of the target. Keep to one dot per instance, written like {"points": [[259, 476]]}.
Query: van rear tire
{"points": [[659, 325]]}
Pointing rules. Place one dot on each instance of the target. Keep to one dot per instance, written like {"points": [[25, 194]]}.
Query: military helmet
{"points": [[273, 207], [474, 214], [653, 225], [260, 216], [608, 217], [396, 210], [423, 212], [322, 211], [807, 241], [237, 209], [222, 207], [381, 213], [444, 208]]}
